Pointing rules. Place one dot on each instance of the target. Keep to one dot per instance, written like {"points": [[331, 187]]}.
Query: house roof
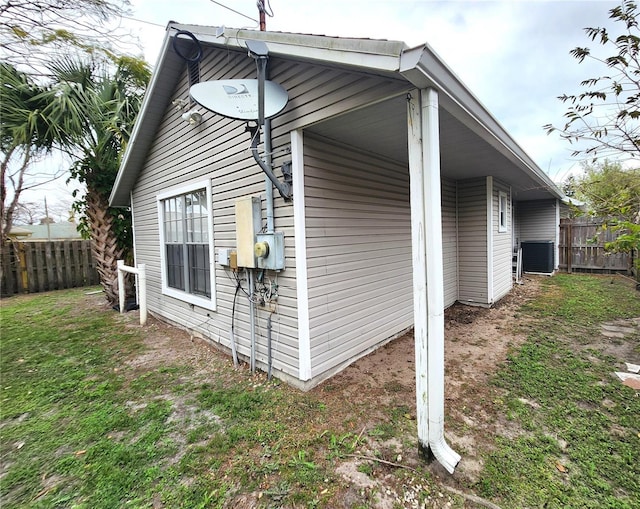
{"points": [[18, 231], [470, 136], [53, 231]]}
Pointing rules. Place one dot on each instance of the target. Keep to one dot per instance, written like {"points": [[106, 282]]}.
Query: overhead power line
{"points": [[143, 21], [234, 11], [212, 1]]}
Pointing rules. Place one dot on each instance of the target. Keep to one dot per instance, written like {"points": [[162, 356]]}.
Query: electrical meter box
{"points": [[248, 224], [269, 250]]}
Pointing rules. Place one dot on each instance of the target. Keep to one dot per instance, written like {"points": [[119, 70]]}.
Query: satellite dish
{"points": [[239, 98]]}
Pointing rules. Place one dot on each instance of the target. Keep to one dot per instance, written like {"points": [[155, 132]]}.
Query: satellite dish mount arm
{"points": [[259, 51], [283, 187], [261, 63]]}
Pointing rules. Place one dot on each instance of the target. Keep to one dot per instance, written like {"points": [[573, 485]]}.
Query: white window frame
{"points": [[196, 300], [503, 211]]}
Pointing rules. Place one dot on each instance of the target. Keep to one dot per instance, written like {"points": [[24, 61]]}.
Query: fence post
{"points": [[142, 292], [121, 285]]}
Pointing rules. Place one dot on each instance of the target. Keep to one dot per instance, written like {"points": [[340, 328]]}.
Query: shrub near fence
{"points": [[31, 267]]}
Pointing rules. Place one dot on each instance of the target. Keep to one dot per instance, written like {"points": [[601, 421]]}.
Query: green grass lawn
{"points": [[83, 427], [580, 440]]}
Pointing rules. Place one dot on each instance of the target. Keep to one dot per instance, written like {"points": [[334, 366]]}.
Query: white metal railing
{"points": [[141, 272]]}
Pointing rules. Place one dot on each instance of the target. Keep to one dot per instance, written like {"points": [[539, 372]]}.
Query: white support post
{"points": [[428, 283], [141, 272], [142, 293], [121, 295], [419, 266]]}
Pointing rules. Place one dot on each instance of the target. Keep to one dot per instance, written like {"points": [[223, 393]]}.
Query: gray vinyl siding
{"points": [[450, 241], [502, 244], [472, 241], [515, 216], [538, 221], [218, 150], [358, 228], [215, 150]]}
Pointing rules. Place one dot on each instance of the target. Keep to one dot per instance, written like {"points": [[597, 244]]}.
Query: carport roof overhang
{"points": [[465, 117], [472, 142]]}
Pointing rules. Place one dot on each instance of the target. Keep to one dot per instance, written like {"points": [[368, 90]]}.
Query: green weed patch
{"points": [[579, 436]]}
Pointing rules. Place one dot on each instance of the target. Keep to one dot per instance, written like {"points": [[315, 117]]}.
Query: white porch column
{"points": [[428, 284]]}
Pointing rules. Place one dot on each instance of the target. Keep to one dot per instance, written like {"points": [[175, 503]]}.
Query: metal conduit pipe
{"points": [[283, 188], [252, 320], [269, 346], [268, 188], [268, 149]]}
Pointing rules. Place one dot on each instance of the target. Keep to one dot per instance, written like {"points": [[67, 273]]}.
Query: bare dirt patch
{"points": [[380, 388], [477, 341]]}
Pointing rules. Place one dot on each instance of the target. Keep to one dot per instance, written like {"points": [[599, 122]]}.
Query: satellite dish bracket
{"points": [[259, 51]]}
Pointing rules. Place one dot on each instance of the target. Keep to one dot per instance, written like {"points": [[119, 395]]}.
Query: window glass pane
{"points": [[199, 274], [197, 217], [186, 228], [175, 266], [173, 219], [502, 211], [169, 216]]}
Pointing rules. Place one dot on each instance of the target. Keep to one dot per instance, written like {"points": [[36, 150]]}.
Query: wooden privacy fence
{"points": [[581, 247], [31, 267]]}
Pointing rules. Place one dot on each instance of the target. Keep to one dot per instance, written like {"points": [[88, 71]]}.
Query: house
{"points": [[46, 230], [407, 196], [19, 233]]}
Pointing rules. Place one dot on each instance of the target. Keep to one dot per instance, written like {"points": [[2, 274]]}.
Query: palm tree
{"points": [[97, 103], [25, 133]]}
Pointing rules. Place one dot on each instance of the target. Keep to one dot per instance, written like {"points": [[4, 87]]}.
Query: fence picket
{"points": [[68, 273], [86, 257], [42, 266], [581, 247], [48, 257], [9, 272], [59, 267]]}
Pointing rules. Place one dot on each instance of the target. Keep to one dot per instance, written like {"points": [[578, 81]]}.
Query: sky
{"points": [[512, 55]]}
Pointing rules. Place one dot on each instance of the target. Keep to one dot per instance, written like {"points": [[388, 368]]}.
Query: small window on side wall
{"points": [[503, 210], [186, 244]]}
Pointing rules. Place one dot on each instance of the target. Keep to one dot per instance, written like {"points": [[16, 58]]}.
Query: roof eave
{"points": [[380, 55], [422, 67], [149, 116]]}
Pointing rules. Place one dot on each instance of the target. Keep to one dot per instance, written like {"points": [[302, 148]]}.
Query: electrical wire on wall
{"points": [[232, 338], [264, 295], [193, 328]]}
